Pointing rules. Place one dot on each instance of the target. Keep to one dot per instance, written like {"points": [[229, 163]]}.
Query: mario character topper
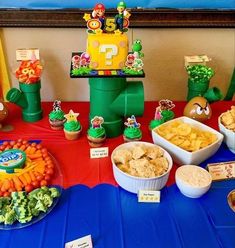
{"points": [[131, 122], [97, 22], [97, 122]]}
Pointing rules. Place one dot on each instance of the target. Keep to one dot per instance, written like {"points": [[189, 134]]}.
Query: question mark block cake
{"points": [[107, 51]]}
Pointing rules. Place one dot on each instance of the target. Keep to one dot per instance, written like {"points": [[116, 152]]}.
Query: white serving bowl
{"points": [[134, 184], [229, 136], [192, 181], [182, 156]]}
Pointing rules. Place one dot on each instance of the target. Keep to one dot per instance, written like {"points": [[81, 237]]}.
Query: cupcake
{"points": [[96, 133], [72, 127], [56, 116], [132, 132], [163, 113]]}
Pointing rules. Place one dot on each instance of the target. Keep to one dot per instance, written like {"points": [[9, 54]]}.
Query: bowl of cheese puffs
{"points": [[141, 166], [227, 127], [188, 141]]}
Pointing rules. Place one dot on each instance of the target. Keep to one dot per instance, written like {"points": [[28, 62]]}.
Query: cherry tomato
{"points": [[47, 178], [6, 194], [35, 184], [24, 142], [29, 188], [39, 146], [50, 165], [2, 147], [19, 141], [5, 143], [12, 143], [43, 183], [1, 193], [49, 171], [12, 190], [39, 177]]}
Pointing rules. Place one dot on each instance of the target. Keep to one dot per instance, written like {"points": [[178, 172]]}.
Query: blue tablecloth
{"points": [[115, 219]]}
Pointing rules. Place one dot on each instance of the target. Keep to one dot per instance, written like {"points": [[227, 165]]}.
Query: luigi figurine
{"points": [[119, 18]]}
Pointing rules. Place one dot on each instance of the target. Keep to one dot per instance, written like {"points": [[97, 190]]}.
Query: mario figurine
{"points": [[98, 13], [119, 18]]}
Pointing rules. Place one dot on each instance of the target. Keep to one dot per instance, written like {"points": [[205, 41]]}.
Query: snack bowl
{"points": [[134, 183], [192, 180], [229, 135], [182, 156]]}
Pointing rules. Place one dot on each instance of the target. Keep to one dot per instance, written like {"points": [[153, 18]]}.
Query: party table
{"points": [[93, 204]]}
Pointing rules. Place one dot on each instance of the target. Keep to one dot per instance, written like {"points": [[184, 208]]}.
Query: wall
{"points": [[164, 51]]}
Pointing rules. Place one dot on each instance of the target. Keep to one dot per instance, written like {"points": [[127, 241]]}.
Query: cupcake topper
{"points": [[97, 122], [56, 105], [131, 122], [164, 104], [71, 116]]}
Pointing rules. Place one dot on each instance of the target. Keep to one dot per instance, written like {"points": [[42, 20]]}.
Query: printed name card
{"points": [[84, 242], [149, 196], [222, 171], [196, 60], [27, 54], [99, 152]]}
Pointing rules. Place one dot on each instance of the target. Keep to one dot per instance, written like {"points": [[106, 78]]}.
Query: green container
{"points": [[28, 99], [114, 99], [197, 88]]}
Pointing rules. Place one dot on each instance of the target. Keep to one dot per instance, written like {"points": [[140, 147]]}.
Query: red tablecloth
{"points": [[74, 156]]}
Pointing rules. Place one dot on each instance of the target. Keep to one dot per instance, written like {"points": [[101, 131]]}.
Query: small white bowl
{"points": [[182, 156], [229, 136], [192, 181], [132, 183]]}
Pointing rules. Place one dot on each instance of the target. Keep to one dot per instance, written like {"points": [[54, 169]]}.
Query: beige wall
{"points": [[164, 51]]}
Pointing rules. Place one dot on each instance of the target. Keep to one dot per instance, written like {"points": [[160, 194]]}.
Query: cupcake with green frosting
{"points": [[56, 116], [72, 127], [132, 131], [96, 134]]}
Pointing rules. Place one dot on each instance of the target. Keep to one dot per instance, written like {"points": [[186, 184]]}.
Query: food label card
{"points": [[149, 196], [84, 242], [222, 171], [27, 54], [99, 152]]}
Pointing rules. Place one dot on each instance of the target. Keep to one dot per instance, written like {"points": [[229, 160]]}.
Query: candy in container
{"points": [[198, 108]]}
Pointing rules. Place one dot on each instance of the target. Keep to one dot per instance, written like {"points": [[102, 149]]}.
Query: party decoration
{"points": [[198, 108]]}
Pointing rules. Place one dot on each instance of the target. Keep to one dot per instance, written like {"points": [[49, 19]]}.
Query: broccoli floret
{"points": [[4, 201], [10, 217], [5, 209], [34, 193], [35, 212], [54, 192], [47, 200], [45, 189], [2, 218], [32, 203], [40, 206]]}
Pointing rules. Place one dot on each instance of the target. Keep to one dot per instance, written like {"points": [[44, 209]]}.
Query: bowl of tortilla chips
{"points": [[187, 140]]}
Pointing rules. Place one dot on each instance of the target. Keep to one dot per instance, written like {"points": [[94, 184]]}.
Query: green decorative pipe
{"points": [[28, 98], [114, 99]]}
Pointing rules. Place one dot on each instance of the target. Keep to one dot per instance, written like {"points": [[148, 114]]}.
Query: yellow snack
{"points": [[186, 136]]}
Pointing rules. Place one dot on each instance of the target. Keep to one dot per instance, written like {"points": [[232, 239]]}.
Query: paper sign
{"points": [[149, 196], [84, 242], [27, 54], [196, 60], [99, 152], [222, 171]]}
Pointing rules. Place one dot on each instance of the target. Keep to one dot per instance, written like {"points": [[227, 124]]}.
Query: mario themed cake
{"points": [[72, 127], [108, 46], [56, 116], [132, 131], [96, 133]]}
